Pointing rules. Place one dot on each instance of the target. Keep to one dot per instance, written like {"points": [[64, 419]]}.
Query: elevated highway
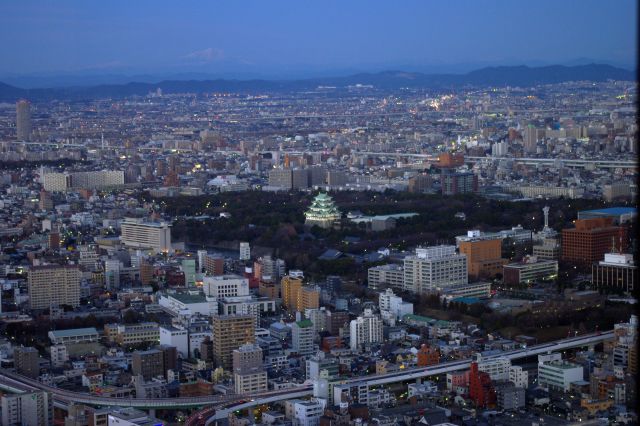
{"points": [[14, 382]]}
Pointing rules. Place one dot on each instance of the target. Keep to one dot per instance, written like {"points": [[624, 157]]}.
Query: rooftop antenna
{"points": [[102, 139]]}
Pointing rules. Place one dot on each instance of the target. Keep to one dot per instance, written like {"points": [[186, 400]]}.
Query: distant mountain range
{"points": [[522, 76]]}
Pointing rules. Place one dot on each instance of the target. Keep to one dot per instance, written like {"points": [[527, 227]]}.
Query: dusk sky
{"points": [[272, 37]]}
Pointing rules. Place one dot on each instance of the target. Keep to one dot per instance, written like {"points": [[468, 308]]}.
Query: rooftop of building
{"points": [[611, 211], [188, 298], [74, 332]]}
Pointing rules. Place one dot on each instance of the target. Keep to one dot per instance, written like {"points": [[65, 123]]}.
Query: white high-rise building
{"points": [[302, 334], [201, 254], [367, 328], [434, 269], [245, 251], [177, 337], [112, 273], [137, 233], [496, 368], [32, 408], [519, 376]]}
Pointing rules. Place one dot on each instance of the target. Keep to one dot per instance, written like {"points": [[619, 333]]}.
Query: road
{"points": [[18, 383]]}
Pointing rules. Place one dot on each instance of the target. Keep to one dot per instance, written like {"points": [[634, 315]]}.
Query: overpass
{"points": [[14, 382]]}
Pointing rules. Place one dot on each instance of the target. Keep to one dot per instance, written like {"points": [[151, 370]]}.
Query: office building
{"points": [[529, 270], [548, 249], [509, 397], [454, 182], [420, 183], [619, 215], [307, 413], [229, 333], [383, 276], [484, 254], [175, 336], [62, 182], [616, 273], [299, 178], [519, 376], [148, 364], [132, 334], [28, 409], [588, 242], [281, 178], [336, 178], [248, 371], [434, 269], [496, 368], [26, 361], [302, 335], [558, 375], [188, 266], [141, 234], [213, 264], [222, 286], [23, 120], [45, 202], [54, 285], [365, 329]]}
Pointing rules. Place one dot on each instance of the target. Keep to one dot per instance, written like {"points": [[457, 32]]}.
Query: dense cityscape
{"points": [[360, 252]]}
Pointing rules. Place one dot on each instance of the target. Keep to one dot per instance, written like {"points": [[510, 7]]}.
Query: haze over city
{"points": [[318, 213]]}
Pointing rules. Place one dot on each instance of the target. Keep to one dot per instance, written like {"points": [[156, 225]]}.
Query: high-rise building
{"points": [[434, 269], [591, 239], [336, 178], [296, 297], [281, 178], [189, 269], [148, 364], [481, 389], [365, 329], [54, 285], [141, 234], [27, 361], [248, 370], [214, 264], [31, 408], [420, 183], [45, 202], [245, 251], [23, 120], [299, 178], [302, 334], [453, 182], [229, 333], [530, 139], [484, 254]]}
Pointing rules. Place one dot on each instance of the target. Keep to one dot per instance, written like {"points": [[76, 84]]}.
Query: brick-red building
{"points": [[481, 389], [428, 356], [591, 239]]}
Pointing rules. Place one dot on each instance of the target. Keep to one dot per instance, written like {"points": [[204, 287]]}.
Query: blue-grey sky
{"points": [[271, 37]]}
